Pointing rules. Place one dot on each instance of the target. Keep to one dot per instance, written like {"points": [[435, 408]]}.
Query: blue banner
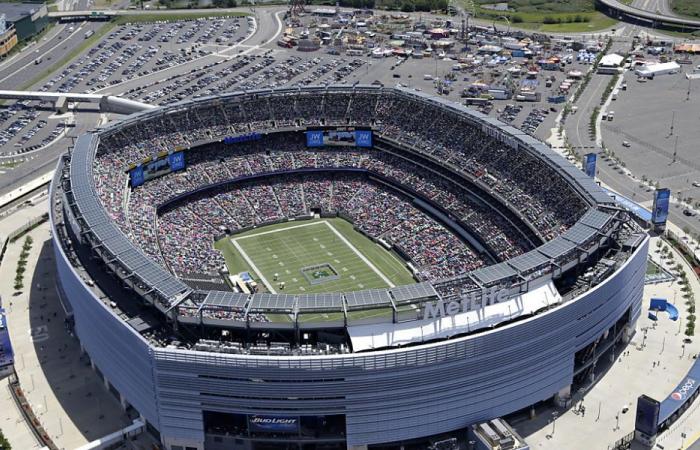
{"points": [[662, 199], [633, 207], [363, 138], [685, 392], [136, 175], [314, 138], [242, 138], [273, 424], [177, 161], [589, 164]]}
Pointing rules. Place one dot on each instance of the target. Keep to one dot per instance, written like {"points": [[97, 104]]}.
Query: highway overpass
{"points": [[619, 10], [107, 103]]}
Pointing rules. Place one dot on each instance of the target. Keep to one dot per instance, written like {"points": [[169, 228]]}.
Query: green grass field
{"points": [[690, 8], [562, 16], [325, 255]]}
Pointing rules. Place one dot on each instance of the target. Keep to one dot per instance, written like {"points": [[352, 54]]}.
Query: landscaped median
{"points": [[688, 294]]}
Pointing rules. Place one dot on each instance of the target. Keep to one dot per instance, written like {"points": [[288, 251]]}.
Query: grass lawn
{"points": [[689, 8], [546, 6], [652, 268], [564, 22], [324, 255], [555, 16]]}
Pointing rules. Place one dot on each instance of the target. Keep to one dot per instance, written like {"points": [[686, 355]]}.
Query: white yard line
{"points": [[332, 228], [253, 266], [360, 255], [277, 230]]}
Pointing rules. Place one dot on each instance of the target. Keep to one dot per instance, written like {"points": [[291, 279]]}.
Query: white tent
{"points": [[651, 70]]}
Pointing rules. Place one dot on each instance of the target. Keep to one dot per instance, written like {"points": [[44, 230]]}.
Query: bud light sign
{"points": [[273, 424], [314, 138], [363, 138]]}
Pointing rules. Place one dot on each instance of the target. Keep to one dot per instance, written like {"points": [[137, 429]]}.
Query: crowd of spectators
{"points": [[182, 236], [264, 201]]}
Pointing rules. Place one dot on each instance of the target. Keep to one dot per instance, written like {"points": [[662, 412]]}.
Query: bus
{"points": [[89, 33]]}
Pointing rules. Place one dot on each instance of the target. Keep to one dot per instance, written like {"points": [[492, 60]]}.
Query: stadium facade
{"points": [[516, 332]]}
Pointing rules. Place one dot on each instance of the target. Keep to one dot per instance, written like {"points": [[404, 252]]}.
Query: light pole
{"points": [[554, 422], [600, 403]]}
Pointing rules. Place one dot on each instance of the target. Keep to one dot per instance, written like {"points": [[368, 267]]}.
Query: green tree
{"points": [[4, 443]]}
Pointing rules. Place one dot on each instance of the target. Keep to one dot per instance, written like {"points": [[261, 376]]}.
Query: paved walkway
{"points": [[68, 397], [651, 365]]}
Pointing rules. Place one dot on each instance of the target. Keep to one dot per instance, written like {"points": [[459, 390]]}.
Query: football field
{"points": [[324, 255]]}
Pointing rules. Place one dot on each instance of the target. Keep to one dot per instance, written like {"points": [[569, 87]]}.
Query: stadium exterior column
{"points": [[122, 401], [629, 332], [563, 397]]}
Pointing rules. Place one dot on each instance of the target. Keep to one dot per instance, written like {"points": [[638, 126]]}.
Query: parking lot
{"points": [[128, 60], [654, 132], [126, 53]]}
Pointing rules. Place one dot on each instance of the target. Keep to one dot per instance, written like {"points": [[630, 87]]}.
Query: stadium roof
{"points": [[596, 219], [490, 274], [272, 302], [580, 234], [107, 233], [412, 292], [557, 247], [377, 298], [225, 300], [528, 262], [319, 302]]}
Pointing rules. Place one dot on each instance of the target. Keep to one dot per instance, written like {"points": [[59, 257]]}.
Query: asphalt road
{"points": [[695, 445], [55, 46], [656, 6]]}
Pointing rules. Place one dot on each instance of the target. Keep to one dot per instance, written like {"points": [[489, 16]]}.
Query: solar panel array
{"points": [[412, 292], [106, 232], [225, 300], [494, 273], [374, 298]]}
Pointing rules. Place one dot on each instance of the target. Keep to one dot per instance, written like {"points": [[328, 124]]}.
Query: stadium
{"points": [[337, 267]]}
